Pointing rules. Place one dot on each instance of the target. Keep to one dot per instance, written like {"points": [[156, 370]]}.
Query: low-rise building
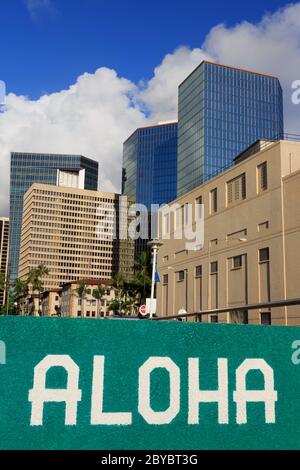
{"points": [[87, 305], [51, 303], [251, 250]]}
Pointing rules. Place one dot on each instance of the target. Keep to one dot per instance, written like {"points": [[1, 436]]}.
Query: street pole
{"points": [[155, 244], [153, 279]]}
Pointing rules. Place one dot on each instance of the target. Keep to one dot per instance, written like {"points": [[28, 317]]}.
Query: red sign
{"points": [[143, 310]]}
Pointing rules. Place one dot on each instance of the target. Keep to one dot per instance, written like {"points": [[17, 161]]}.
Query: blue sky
{"points": [[83, 75], [47, 44]]}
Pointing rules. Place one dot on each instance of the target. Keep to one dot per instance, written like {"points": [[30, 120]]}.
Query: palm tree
{"points": [[19, 291], [35, 280], [142, 277], [116, 306], [3, 288], [118, 284], [98, 294], [82, 292], [35, 277]]}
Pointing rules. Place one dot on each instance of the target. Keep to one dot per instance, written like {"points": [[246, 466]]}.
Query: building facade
{"points": [[29, 168], [75, 233], [150, 174], [222, 111], [88, 306], [150, 164], [50, 304], [4, 236], [251, 244]]}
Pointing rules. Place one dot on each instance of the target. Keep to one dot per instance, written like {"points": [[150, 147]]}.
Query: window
{"points": [[180, 275], [166, 224], [198, 209], [214, 319], [240, 317], [213, 201], [237, 262], [214, 267], [265, 318], [198, 271], [236, 189], [178, 217], [165, 279], [264, 255], [262, 177], [186, 213]]}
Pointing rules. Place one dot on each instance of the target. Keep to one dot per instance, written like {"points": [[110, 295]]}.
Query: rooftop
{"points": [[228, 67]]}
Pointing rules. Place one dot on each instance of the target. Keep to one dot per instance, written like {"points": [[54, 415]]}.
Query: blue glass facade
{"points": [[222, 111], [150, 165], [28, 168]]}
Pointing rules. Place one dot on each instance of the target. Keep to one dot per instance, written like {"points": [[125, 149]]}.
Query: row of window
{"points": [[237, 263], [242, 318]]}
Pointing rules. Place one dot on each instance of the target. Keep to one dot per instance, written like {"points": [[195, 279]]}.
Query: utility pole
{"points": [[155, 245]]}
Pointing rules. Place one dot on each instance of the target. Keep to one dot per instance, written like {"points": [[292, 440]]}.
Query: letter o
{"points": [[144, 407]]}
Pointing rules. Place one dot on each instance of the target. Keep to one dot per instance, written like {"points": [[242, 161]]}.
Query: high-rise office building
{"points": [[29, 168], [150, 164], [4, 234], [150, 173], [223, 110], [78, 234]]}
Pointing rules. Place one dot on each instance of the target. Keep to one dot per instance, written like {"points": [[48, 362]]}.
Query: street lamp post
{"points": [[155, 245]]}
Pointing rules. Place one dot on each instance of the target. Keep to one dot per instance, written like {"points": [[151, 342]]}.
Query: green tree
{"points": [[3, 288], [35, 277], [35, 281], [142, 277], [19, 290], [118, 284], [82, 292], [98, 294]]}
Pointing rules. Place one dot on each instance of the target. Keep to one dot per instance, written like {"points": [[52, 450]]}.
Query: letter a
{"points": [[40, 394], [242, 396]]}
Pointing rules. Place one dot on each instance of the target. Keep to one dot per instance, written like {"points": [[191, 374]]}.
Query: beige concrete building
{"points": [[4, 238], [50, 303], [87, 306], [251, 251], [75, 233]]}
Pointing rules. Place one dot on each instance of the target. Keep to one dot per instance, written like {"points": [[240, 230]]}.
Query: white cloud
{"points": [[36, 7], [95, 115], [159, 96], [271, 46], [93, 118]]}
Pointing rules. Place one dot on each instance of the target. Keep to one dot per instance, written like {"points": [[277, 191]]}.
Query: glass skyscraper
{"points": [[222, 111], [29, 168], [150, 165]]}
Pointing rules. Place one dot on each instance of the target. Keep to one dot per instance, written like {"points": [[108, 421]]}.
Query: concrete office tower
{"points": [[223, 110], [75, 233], [29, 168], [251, 241], [4, 235]]}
